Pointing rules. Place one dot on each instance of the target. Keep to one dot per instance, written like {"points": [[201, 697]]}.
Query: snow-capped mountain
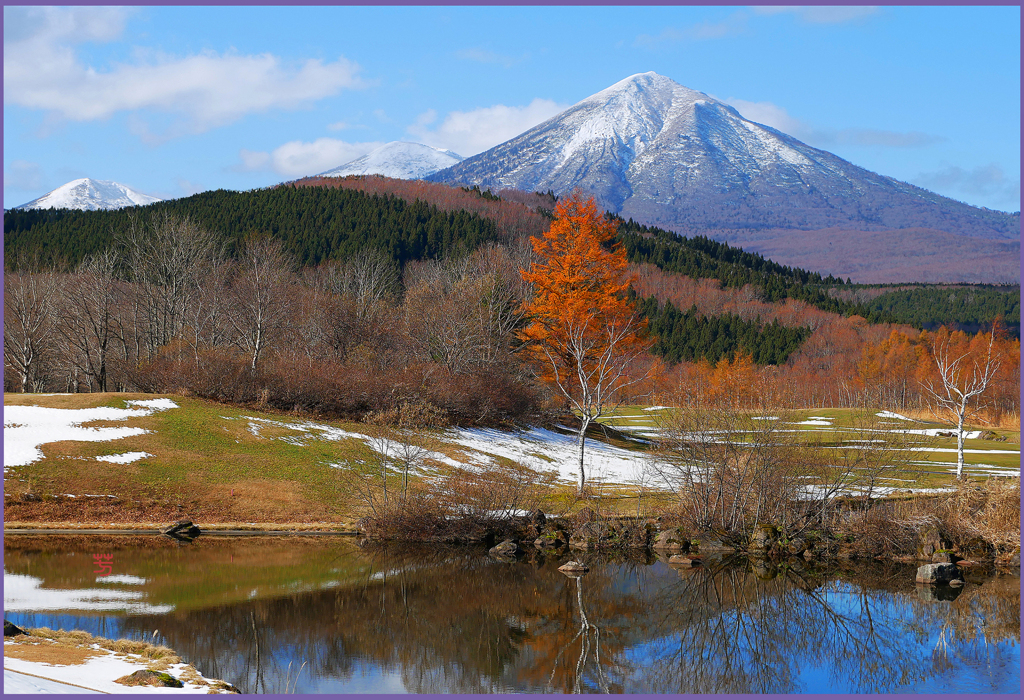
{"points": [[90, 194], [398, 159], [663, 154]]}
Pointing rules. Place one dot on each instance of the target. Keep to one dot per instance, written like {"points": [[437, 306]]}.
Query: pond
{"points": [[322, 615]]}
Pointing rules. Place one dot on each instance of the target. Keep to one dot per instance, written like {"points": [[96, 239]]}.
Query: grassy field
{"points": [[220, 463]]}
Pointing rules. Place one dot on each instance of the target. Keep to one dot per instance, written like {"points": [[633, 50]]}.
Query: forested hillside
{"points": [[387, 293], [314, 223]]}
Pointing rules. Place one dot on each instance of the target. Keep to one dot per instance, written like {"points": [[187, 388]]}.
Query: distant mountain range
{"points": [[664, 155], [90, 195], [398, 159]]}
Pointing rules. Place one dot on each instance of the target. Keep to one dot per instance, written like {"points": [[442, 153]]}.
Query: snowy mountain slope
{"points": [[398, 159], [90, 194], [653, 150]]}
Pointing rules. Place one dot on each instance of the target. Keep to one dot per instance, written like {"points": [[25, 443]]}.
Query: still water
{"points": [[322, 615]]}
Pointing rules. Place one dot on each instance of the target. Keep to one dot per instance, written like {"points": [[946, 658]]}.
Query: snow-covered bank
{"points": [[94, 674]]}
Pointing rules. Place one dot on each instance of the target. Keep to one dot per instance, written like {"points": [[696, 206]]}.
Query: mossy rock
{"points": [[158, 679]]}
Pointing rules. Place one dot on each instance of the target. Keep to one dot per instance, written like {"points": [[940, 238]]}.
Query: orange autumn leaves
{"points": [[581, 320]]}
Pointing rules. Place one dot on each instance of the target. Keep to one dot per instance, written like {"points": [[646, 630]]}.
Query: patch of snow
{"points": [[124, 458], [764, 418], [656, 408], [890, 414], [815, 422], [154, 404], [16, 683], [27, 428]]}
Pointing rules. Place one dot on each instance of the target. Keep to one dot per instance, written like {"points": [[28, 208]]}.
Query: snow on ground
{"points": [[27, 428], [124, 458], [96, 673], [815, 421], [656, 408], [16, 683], [546, 450], [890, 414], [24, 593]]}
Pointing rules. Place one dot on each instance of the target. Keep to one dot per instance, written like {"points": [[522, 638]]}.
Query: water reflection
{"points": [[282, 615]]}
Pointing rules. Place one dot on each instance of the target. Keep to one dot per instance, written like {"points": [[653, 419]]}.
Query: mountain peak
{"points": [[653, 150], [88, 194], [398, 159]]}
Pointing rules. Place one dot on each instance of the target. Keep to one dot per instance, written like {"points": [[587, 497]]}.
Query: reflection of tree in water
{"points": [[457, 621]]}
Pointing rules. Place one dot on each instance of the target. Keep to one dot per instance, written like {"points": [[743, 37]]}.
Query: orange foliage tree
{"points": [[584, 333]]}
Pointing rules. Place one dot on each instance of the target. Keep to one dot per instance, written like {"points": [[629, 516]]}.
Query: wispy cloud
{"points": [[778, 118], [42, 70], [479, 55], [733, 25], [302, 158], [988, 181], [742, 21], [23, 175], [469, 133], [823, 14]]}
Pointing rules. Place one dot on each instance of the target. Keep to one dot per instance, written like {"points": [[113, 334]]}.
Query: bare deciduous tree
{"points": [[261, 309], [964, 375], [30, 315]]}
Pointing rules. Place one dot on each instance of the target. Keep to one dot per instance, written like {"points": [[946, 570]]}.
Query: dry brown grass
{"points": [[49, 653], [989, 511], [71, 400]]}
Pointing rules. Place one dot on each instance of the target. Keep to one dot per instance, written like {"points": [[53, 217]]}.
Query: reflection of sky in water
{"points": [[995, 669]]}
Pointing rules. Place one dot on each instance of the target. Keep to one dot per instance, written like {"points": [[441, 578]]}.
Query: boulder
{"points": [[508, 548], [929, 540], [181, 529], [711, 542], [937, 573], [12, 630], [537, 518], [574, 567], [796, 546], [671, 541], [680, 560], [763, 538], [157, 679], [551, 538]]}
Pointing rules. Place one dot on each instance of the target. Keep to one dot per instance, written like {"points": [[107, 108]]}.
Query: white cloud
{"points": [[303, 158], [824, 14], [989, 182], [42, 71], [768, 114], [778, 118], [469, 133]]}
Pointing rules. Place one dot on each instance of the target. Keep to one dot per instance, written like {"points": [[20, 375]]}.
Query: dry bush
{"points": [[876, 532], [990, 511], [495, 492], [728, 470]]}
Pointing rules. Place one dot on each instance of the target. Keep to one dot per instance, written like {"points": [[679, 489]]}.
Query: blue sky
{"points": [[177, 100]]}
